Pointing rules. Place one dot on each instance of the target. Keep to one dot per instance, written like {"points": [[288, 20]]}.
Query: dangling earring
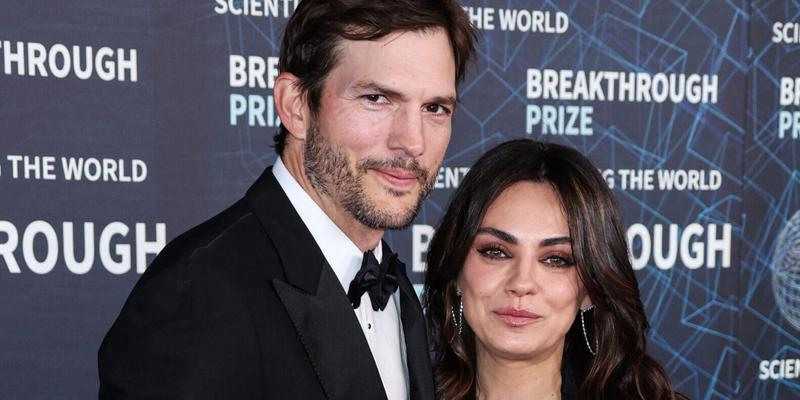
{"points": [[585, 335], [460, 321]]}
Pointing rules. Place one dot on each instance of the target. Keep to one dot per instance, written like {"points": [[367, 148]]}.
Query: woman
{"points": [[529, 292]]}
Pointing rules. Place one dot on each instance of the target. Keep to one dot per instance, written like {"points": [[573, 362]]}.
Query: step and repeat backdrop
{"points": [[125, 123]]}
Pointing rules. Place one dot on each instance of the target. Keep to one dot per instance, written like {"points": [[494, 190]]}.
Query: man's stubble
{"points": [[329, 172]]}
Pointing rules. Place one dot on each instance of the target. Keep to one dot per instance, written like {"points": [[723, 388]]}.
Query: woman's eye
{"points": [[557, 261], [493, 252]]}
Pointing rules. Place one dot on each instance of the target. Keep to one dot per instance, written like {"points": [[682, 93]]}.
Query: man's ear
{"points": [[291, 105]]}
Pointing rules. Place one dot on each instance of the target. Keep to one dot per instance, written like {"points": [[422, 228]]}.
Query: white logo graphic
{"points": [[786, 271]]}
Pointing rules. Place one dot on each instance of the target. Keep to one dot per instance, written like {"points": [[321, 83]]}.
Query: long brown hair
{"points": [[621, 369]]}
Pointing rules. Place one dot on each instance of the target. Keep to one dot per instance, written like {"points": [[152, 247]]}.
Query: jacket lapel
{"points": [[333, 340], [420, 374], [315, 300]]}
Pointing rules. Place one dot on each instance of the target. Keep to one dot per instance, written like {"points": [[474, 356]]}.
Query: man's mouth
{"points": [[401, 179]]}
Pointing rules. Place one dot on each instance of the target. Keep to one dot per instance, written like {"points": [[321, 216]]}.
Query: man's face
{"points": [[383, 126]]}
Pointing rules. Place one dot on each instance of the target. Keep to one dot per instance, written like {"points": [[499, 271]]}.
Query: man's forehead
{"points": [[426, 32], [398, 60]]}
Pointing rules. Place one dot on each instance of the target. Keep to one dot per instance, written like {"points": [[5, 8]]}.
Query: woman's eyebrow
{"points": [[556, 240], [502, 235]]}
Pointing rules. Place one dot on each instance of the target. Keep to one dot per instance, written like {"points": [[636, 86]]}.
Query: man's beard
{"points": [[329, 172]]}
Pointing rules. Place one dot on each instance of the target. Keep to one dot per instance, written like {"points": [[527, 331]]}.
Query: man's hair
{"points": [[309, 46]]}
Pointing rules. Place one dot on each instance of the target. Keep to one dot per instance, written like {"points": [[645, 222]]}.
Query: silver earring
{"points": [[585, 335], [460, 321]]}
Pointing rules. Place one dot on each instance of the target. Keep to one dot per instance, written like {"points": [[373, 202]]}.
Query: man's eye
{"points": [[376, 98], [437, 109]]}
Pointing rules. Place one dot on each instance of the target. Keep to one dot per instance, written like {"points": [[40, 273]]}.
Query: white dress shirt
{"points": [[382, 329]]}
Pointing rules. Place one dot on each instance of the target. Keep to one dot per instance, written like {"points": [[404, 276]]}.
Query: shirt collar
{"points": [[339, 251]]}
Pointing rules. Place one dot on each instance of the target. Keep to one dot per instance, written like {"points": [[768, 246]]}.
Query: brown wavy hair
{"points": [[621, 369], [310, 42]]}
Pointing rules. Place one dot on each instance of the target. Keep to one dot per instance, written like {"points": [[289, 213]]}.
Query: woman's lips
{"points": [[517, 317]]}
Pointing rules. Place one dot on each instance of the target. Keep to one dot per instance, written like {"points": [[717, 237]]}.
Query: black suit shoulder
{"points": [[232, 309], [217, 246], [186, 330]]}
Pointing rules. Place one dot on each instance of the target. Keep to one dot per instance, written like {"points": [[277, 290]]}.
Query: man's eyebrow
{"points": [[370, 86], [374, 87], [447, 100], [502, 235]]}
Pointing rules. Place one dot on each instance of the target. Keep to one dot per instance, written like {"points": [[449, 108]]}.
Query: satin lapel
{"points": [[314, 299], [420, 373], [301, 258], [333, 340]]}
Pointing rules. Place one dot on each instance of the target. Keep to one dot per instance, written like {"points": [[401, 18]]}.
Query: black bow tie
{"points": [[379, 280]]}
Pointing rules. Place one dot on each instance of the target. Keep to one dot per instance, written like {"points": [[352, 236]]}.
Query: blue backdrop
{"points": [[126, 123]]}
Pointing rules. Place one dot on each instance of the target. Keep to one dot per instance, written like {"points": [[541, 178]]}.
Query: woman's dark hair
{"points": [[311, 39], [621, 369]]}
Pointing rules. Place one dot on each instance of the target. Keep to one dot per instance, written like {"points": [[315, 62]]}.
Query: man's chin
{"points": [[398, 203], [382, 206], [388, 216], [397, 222]]}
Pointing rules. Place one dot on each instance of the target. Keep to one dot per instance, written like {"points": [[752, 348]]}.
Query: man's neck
{"points": [[364, 237], [510, 379]]}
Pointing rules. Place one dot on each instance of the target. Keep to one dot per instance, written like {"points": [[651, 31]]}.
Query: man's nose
{"points": [[408, 132]]}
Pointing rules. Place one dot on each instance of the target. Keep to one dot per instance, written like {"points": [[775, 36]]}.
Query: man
{"points": [[290, 293]]}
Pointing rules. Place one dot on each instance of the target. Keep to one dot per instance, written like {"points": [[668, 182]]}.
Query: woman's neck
{"points": [[524, 380]]}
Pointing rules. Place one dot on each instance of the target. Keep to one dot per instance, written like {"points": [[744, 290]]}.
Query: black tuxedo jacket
{"points": [[244, 306]]}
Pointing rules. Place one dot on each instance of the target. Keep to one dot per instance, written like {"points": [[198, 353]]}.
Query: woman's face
{"points": [[519, 283]]}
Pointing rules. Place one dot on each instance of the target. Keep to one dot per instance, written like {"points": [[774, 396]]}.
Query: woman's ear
{"points": [[586, 303], [291, 105]]}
